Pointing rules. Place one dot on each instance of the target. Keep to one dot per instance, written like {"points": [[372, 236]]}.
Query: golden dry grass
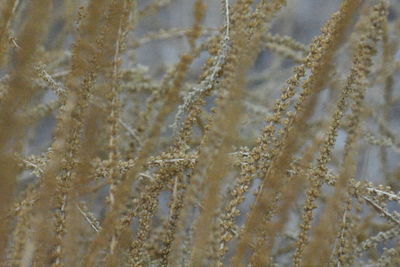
{"points": [[110, 156]]}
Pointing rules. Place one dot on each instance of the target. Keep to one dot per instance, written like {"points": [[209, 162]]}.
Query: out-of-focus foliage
{"points": [[199, 133]]}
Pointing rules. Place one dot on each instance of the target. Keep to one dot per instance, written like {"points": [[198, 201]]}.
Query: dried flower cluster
{"points": [[111, 155]]}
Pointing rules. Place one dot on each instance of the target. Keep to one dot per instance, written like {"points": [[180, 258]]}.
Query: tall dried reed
{"points": [[111, 155]]}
